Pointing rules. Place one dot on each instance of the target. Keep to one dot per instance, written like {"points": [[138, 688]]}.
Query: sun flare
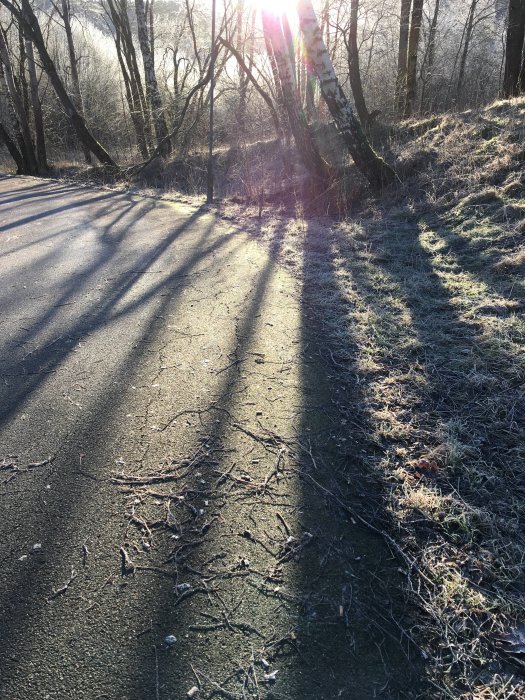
{"points": [[277, 7]]}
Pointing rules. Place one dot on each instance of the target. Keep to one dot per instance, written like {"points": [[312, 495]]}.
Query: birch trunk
{"points": [[152, 87], [374, 168], [301, 131]]}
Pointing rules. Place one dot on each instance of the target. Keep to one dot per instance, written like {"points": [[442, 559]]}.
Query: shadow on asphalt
{"points": [[344, 637]]}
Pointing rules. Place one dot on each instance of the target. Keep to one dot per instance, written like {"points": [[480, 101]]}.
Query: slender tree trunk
{"points": [[41, 155], [73, 63], [26, 17], [152, 87], [130, 73], [13, 150], [353, 65], [374, 168], [512, 85], [301, 131], [18, 106], [430, 55], [134, 109], [413, 48], [278, 89], [249, 75], [24, 88], [466, 46], [13, 128], [402, 57]]}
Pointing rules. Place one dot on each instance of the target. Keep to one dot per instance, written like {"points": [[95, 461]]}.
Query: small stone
{"points": [[170, 640], [182, 588], [37, 547], [192, 692], [271, 677]]}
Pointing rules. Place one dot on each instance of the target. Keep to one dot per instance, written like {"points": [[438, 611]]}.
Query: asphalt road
{"points": [[166, 432]]}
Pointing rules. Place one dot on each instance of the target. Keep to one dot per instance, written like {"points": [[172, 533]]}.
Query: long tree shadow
{"points": [[457, 397], [335, 625], [75, 489], [360, 612]]}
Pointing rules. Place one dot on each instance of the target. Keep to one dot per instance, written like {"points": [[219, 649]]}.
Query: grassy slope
{"points": [[423, 297]]}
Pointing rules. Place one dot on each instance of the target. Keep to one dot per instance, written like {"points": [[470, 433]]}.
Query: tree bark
{"points": [[27, 19], [468, 36], [73, 62], [40, 138], [266, 97], [300, 129], [373, 167], [353, 66], [13, 150], [413, 47], [430, 55], [152, 87], [130, 74], [18, 106], [514, 49], [402, 57]]}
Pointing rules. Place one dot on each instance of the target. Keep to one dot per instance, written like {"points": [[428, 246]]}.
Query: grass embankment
{"points": [[423, 295]]}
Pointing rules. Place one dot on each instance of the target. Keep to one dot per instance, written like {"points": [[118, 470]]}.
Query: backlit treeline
{"points": [[123, 82]]}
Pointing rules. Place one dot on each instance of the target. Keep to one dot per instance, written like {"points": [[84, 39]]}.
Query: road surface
{"points": [[168, 442]]}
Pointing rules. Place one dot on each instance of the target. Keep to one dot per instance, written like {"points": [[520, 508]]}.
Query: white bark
{"points": [[371, 165]]}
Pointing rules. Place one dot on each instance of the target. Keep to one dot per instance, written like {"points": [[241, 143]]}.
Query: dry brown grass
{"points": [[422, 298]]}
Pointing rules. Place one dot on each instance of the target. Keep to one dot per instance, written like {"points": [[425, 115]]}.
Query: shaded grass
{"points": [[429, 282]]}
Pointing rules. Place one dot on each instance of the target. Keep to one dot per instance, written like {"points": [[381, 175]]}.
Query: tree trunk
{"points": [[430, 55], [152, 87], [402, 57], [73, 62], [278, 90], [249, 76], [18, 107], [41, 155], [353, 66], [23, 86], [468, 36], [301, 131], [131, 75], [413, 47], [514, 49], [374, 168], [13, 150], [27, 19]]}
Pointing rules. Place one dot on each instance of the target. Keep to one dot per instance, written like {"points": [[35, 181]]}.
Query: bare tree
{"points": [[300, 129], [64, 11], [413, 49], [22, 11], [38, 116], [373, 167], [150, 77], [402, 56], [353, 65], [17, 105]]}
